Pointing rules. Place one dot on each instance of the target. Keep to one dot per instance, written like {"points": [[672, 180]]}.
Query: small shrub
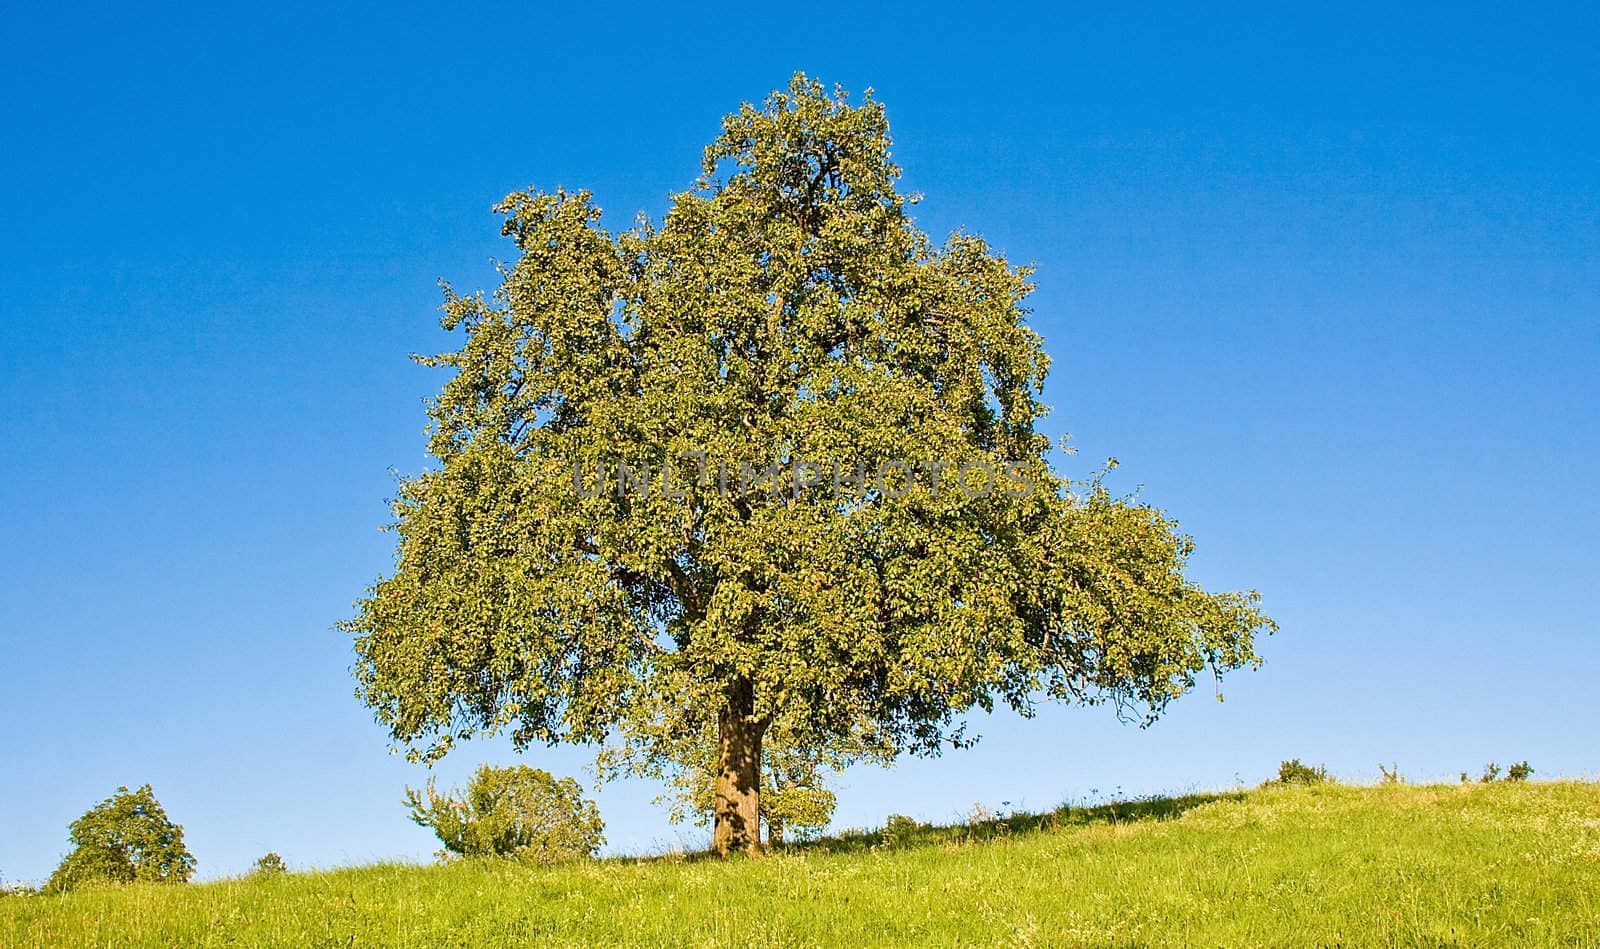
{"points": [[517, 812], [1519, 771], [899, 830], [1293, 772], [269, 864], [1391, 774], [1490, 772], [796, 811]]}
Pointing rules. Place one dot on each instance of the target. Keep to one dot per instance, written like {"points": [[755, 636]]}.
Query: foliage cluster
{"points": [[519, 812], [1517, 772], [1293, 772], [899, 830], [124, 839]]}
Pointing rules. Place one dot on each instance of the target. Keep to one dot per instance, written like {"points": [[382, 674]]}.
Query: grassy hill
{"points": [[1469, 865]]}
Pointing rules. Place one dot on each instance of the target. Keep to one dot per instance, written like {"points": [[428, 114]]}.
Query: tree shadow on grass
{"points": [[905, 833]]}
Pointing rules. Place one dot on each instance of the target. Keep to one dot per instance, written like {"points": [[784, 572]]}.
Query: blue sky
{"points": [[1326, 283]]}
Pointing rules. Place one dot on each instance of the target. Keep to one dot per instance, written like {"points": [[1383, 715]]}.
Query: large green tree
{"points": [[786, 317]]}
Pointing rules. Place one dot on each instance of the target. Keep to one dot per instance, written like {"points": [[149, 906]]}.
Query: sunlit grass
{"points": [[1469, 865]]}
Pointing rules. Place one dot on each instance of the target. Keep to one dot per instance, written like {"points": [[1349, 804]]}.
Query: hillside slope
{"points": [[1500, 864]]}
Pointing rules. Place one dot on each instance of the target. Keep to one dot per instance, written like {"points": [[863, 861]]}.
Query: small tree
{"points": [[1519, 771], [124, 839], [899, 830], [1490, 772], [517, 812], [1293, 772], [795, 799], [269, 864]]}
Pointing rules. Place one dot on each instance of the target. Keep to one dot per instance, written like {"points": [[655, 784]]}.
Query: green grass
{"points": [[1470, 865]]}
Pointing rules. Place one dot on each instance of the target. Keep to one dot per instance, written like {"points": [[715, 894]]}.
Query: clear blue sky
{"points": [[1326, 283]]}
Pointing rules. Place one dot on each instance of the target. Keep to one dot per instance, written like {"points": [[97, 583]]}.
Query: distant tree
{"points": [[124, 839], [1293, 772], [269, 864], [1519, 771], [787, 309], [899, 830], [796, 800], [1490, 772], [517, 812]]}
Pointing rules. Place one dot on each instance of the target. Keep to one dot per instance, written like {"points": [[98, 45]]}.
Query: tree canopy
{"points": [[126, 838], [774, 457]]}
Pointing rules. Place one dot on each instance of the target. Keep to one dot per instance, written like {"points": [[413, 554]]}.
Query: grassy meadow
{"points": [[1514, 864]]}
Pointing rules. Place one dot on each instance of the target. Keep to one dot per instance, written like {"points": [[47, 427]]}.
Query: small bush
{"points": [[1519, 771], [1293, 772], [1391, 774], [1490, 772], [519, 812], [269, 864], [899, 830]]}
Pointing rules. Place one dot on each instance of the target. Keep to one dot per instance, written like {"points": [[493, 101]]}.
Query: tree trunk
{"points": [[738, 807]]}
